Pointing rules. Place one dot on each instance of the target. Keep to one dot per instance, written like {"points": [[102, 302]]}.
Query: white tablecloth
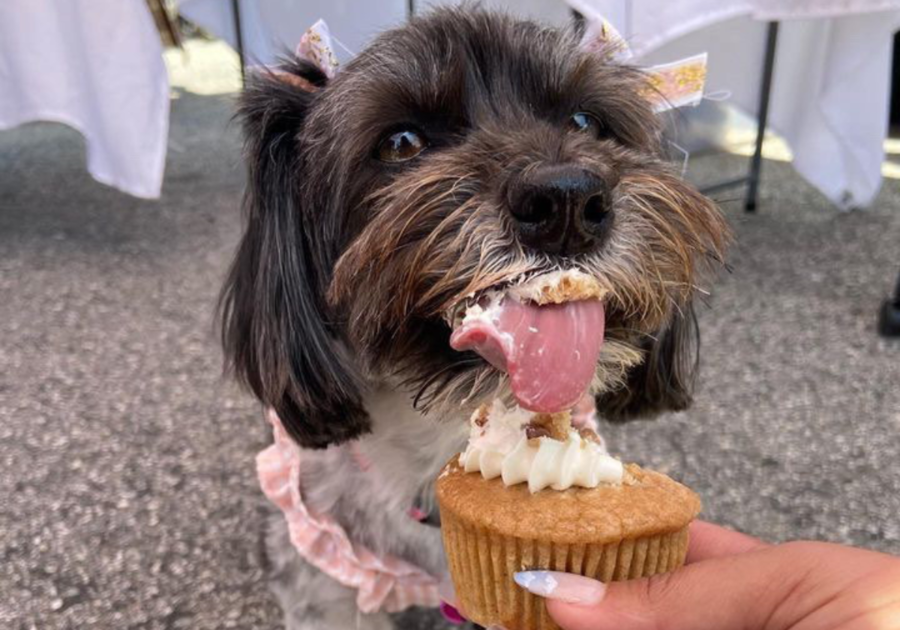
{"points": [[832, 76], [97, 66], [272, 28]]}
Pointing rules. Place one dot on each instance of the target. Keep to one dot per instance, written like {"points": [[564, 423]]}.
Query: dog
{"points": [[455, 155]]}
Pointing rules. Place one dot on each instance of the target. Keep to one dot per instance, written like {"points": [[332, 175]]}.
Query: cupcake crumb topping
{"points": [[590, 435], [556, 287], [553, 425], [543, 450], [535, 431], [481, 416]]}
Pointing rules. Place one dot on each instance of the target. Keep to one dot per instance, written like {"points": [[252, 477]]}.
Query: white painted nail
{"points": [[566, 587], [541, 583]]}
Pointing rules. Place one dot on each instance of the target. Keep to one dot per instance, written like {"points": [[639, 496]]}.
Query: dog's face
{"points": [[457, 154]]}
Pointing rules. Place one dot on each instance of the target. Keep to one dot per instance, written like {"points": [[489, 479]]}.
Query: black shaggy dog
{"points": [[457, 154]]}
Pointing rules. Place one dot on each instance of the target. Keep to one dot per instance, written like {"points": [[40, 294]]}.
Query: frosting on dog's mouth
{"points": [[546, 333]]}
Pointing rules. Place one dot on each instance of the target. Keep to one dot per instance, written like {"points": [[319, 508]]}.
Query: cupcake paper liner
{"points": [[482, 564]]}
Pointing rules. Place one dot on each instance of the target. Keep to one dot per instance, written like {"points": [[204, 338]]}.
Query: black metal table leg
{"points": [[238, 36], [752, 178], [765, 94], [889, 318]]}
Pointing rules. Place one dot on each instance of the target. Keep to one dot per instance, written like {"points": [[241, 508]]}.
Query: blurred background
{"points": [[128, 496]]}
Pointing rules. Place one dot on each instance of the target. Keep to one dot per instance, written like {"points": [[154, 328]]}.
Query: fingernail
{"points": [[573, 589], [451, 614], [495, 628]]}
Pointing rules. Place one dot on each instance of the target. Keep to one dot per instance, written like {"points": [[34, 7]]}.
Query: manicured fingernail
{"points": [[451, 614], [574, 589]]}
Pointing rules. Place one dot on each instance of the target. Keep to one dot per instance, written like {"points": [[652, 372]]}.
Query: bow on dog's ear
{"points": [[665, 380], [274, 325]]}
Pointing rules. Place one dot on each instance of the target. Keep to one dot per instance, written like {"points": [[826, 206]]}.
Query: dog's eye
{"points": [[401, 146], [583, 122]]}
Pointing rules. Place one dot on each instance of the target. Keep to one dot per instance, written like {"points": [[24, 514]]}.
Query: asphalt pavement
{"points": [[127, 489]]}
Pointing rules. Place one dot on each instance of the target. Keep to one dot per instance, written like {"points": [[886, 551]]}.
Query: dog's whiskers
{"points": [[463, 362]]}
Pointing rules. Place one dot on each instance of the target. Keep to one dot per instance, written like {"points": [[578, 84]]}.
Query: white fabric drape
{"points": [[831, 86], [97, 66], [272, 28]]}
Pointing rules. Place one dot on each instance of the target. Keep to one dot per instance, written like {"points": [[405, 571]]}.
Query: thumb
{"points": [[744, 590]]}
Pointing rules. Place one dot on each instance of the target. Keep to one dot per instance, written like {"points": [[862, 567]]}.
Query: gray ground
{"points": [[126, 461]]}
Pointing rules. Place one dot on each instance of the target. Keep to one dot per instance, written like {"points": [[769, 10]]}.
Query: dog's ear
{"points": [[275, 331], [665, 380]]}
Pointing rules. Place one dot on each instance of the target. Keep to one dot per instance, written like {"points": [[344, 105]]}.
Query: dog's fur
{"points": [[334, 310]]}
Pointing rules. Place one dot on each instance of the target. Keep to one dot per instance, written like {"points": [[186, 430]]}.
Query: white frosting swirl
{"points": [[500, 448]]}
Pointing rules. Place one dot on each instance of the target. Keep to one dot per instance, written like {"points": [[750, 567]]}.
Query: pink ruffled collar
{"points": [[383, 582]]}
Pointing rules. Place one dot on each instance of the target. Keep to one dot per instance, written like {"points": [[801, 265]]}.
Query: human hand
{"points": [[735, 581]]}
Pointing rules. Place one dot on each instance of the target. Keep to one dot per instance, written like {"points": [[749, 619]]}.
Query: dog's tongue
{"points": [[550, 352]]}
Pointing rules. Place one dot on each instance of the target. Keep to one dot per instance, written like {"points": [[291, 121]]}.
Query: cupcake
{"points": [[533, 492]]}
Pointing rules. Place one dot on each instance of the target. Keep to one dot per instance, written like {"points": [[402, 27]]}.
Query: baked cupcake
{"points": [[532, 492]]}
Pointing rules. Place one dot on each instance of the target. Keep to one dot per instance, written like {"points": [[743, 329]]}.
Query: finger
{"points": [[727, 592], [570, 588], [709, 541]]}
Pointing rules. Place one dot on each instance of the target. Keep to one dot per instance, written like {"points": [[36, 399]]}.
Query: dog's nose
{"points": [[561, 209]]}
